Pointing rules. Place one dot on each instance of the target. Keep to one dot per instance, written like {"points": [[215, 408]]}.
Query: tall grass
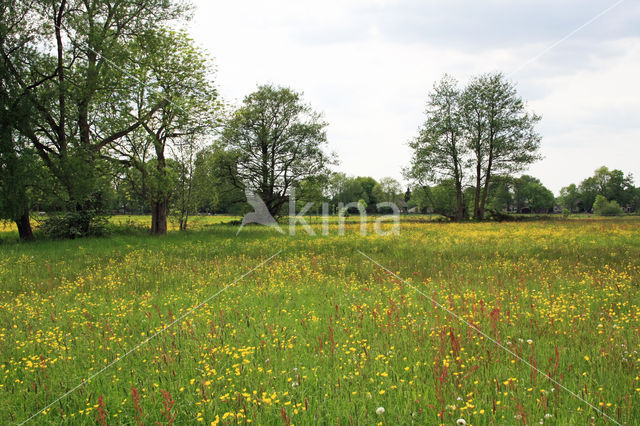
{"points": [[322, 335]]}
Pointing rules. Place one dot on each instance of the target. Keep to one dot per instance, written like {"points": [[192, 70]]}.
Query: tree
{"points": [[277, 141], [213, 188], [634, 205], [185, 202], [500, 196], [604, 207], [613, 185], [73, 84], [570, 197], [388, 190], [439, 151], [440, 199], [367, 183], [530, 192], [499, 132], [177, 73], [335, 185], [19, 167], [344, 189], [312, 190]]}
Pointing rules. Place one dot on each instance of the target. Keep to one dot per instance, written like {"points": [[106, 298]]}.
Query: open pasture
{"points": [[319, 333]]}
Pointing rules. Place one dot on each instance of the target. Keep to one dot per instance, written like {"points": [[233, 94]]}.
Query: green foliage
{"points": [[529, 192], [501, 194], [474, 134], [439, 151], [388, 190], [213, 182], [604, 207], [440, 199], [311, 190], [570, 198], [613, 185], [344, 189], [70, 225], [72, 62], [277, 141]]}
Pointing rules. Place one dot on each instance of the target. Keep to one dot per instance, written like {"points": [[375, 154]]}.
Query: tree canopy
{"points": [[471, 135], [277, 141]]}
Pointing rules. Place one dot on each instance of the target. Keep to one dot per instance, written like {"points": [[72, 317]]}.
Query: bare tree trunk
{"points": [[476, 201], [159, 217], [24, 226], [183, 226], [485, 191], [460, 204]]}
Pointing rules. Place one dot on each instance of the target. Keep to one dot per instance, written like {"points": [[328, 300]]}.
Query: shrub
{"points": [[74, 225], [604, 207]]}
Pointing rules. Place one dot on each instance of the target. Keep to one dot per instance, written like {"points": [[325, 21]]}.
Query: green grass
{"points": [[322, 335]]}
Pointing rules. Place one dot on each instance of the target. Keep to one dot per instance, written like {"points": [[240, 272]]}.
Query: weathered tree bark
{"points": [[24, 226], [159, 210]]}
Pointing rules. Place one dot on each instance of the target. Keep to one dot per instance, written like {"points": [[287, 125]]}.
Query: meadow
{"points": [[493, 323]]}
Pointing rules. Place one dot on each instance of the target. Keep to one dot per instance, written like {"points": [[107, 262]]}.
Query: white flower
{"points": [[294, 384], [548, 416], [380, 411], [529, 341], [461, 422]]}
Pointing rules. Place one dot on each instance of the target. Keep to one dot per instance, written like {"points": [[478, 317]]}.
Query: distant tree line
{"points": [[607, 191], [524, 194]]}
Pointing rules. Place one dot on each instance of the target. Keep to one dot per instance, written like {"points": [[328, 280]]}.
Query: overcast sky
{"points": [[368, 66]]}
